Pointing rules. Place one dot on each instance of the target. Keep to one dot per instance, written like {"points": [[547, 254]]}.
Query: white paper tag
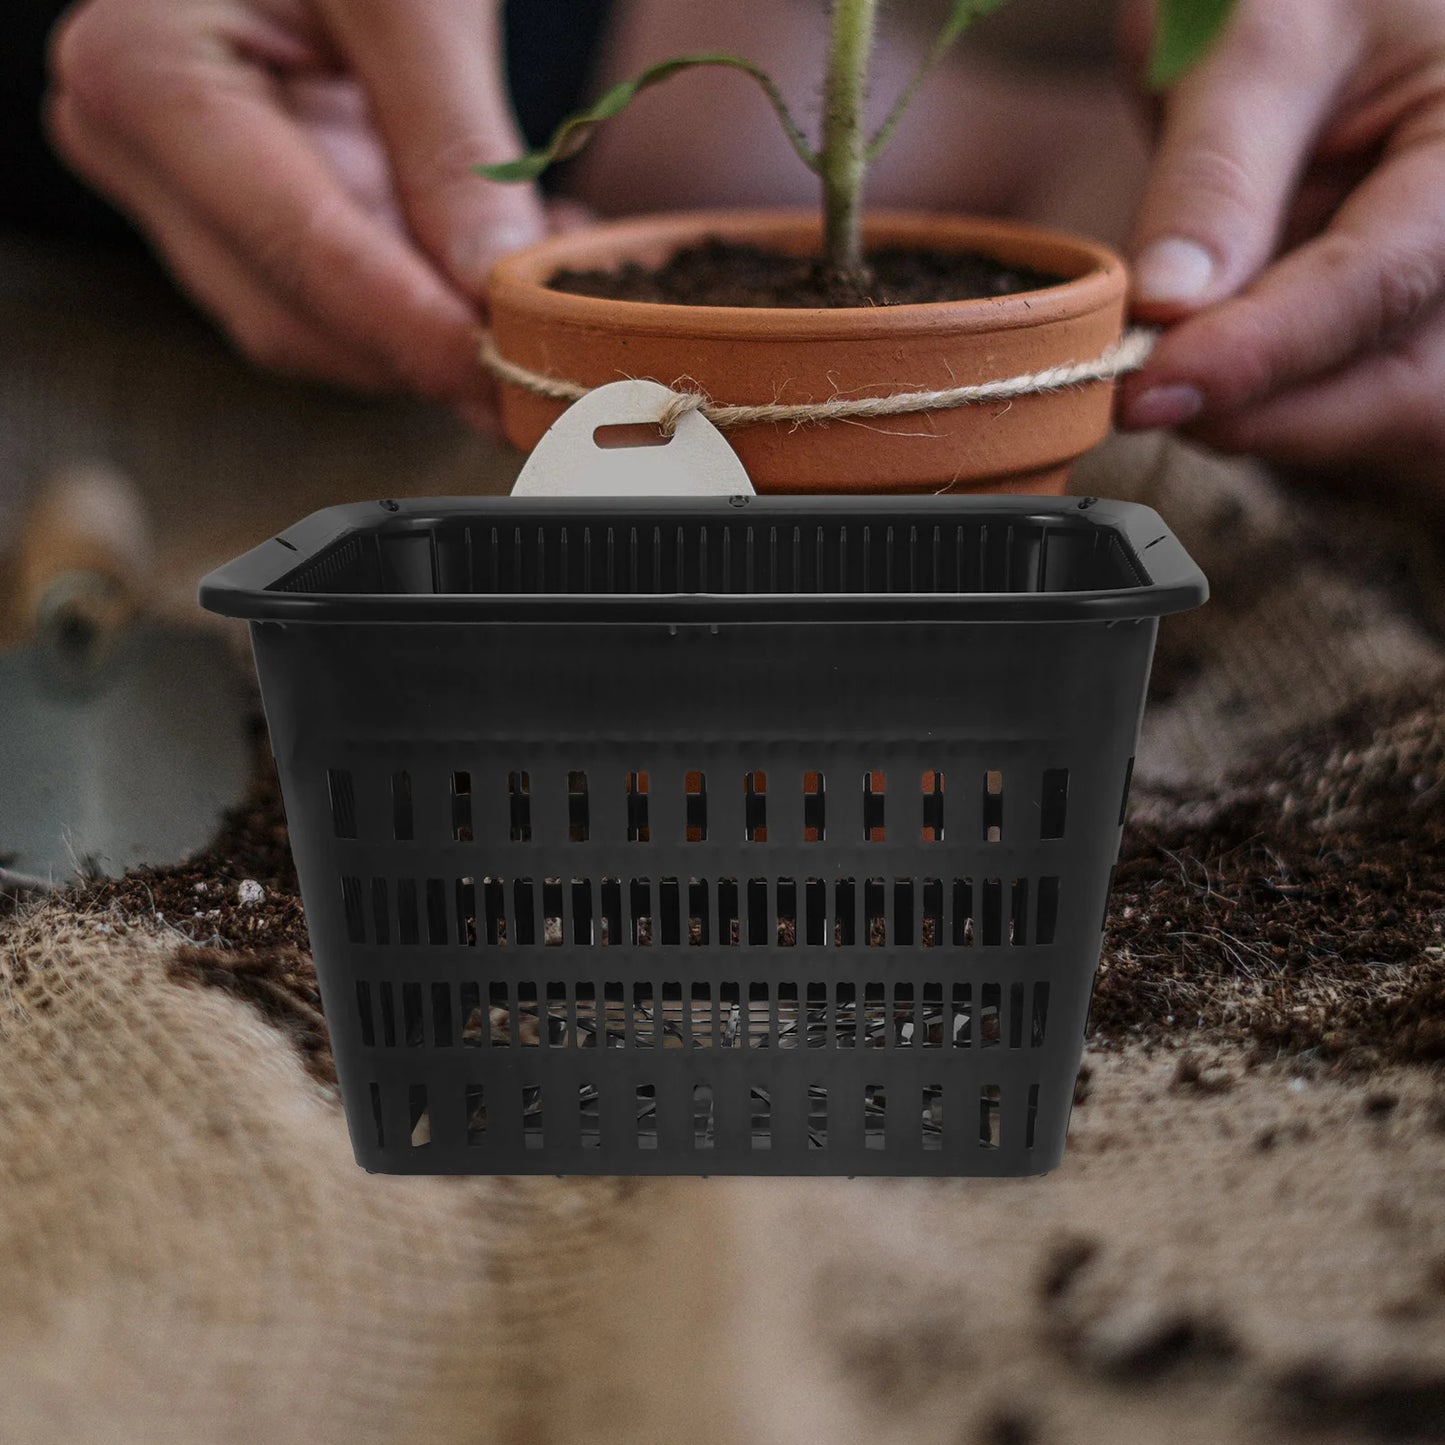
{"points": [[568, 462]]}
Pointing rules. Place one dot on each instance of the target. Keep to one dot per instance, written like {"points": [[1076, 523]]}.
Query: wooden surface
{"points": [[102, 361]]}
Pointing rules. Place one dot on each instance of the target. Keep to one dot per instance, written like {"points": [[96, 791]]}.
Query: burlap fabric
{"points": [[1233, 1250]]}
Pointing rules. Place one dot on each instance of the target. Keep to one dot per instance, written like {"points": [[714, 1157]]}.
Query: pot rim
{"points": [[520, 278]]}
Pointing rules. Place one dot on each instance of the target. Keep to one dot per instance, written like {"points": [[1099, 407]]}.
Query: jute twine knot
{"points": [[1128, 354]]}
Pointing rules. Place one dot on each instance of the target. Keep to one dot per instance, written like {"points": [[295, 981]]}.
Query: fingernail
{"points": [[1173, 271], [1163, 406]]}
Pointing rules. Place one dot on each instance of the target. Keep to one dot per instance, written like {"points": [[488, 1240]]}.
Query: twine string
{"points": [[1128, 354]]}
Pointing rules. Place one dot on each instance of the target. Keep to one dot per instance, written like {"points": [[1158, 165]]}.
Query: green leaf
{"points": [[961, 14], [576, 130], [1184, 31]]}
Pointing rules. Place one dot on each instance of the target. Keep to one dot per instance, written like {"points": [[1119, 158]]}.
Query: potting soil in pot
{"points": [[721, 273]]}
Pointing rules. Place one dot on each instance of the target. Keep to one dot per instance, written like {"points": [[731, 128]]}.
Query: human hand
{"points": [[304, 167], [1293, 235]]}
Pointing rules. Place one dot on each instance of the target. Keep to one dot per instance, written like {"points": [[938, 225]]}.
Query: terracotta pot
{"points": [[761, 354]]}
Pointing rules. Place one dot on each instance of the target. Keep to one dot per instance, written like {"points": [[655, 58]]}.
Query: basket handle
{"points": [[573, 458]]}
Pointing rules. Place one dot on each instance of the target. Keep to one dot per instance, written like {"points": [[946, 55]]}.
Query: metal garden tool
{"points": [[122, 738]]}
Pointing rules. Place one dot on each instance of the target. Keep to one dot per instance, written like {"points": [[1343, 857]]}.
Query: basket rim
{"points": [[246, 587]]}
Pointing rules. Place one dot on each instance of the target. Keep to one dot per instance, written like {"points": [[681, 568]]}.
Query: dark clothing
{"points": [[551, 50]]}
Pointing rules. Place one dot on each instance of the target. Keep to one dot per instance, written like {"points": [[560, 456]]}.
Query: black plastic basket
{"points": [[750, 835]]}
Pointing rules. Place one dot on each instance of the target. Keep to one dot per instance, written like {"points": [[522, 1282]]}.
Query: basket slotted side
{"points": [[509, 965]]}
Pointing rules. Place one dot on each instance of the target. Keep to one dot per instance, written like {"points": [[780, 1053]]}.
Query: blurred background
{"points": [[1247, 1239]]}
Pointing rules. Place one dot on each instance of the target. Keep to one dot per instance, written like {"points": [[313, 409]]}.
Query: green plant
{"points": [[1184, 31]]}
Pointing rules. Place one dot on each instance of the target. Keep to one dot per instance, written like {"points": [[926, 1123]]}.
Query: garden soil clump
{"points": [[722, 273]]}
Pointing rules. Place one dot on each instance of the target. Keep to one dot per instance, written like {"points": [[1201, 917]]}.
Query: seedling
{"points": [[1184, 30]]}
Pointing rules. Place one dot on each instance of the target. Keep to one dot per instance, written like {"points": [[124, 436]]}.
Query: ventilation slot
{"points": [[814, 830], [696, 787], [611, 919], [528, 1033], [532, 1116], [351, 904], [587, 1029], [963, 930], [932, 1117], [875, 1016], [1040, 1015], [376, 1117], [760, 1119], [932, 1036], [992, 913], [637, 827], [494, 911], [589, 1120], [932, 933], [990, 1006], [903, 912], [1018, 926], [475, 1024], [875, 1117], [702, 1116], [407, 929], [755, 807], [647, 1116], [758, 916], [845, 1016], [1048, 910], [462, 807], [787, 894], [466, 900], [519, 798], [874, 791], [993, 807], [441, 1013], [343, 802], [729, 921], [363, 1015], [401, 809], [476, 1109], [380, 916], [420, 1116], [577, 817], [961, 1017], [817, 1116], [845, 930], [436, 910], [1054, 803], [933, 807], [988, 1117], [413, 1024], [640, 907], [815, 894], [874, 912]]}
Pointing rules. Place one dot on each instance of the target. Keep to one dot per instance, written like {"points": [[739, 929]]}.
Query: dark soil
{"points": [[719, 273], [1294, 938]]}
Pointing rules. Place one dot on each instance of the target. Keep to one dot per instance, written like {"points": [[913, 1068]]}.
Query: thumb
{"points": [[435, 78], [1235, 138]]}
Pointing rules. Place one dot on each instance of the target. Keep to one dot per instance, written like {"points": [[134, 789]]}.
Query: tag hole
{"points": [[630, 434]]}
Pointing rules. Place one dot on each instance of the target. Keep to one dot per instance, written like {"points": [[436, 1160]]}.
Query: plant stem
{"points": [[843, 152]]}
